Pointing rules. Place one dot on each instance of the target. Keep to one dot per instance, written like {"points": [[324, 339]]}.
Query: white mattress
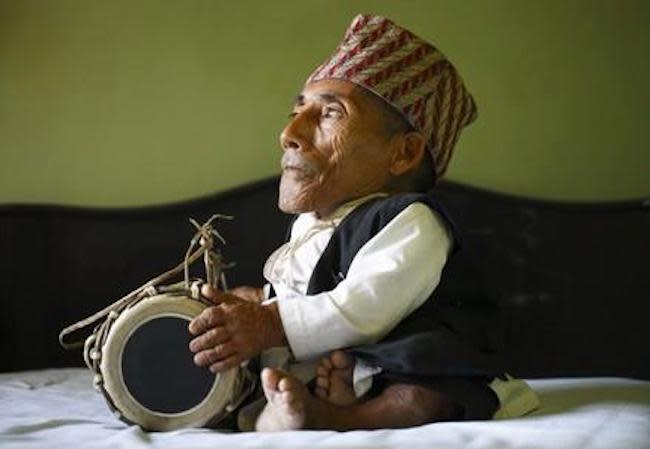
{"points": [[59, 409]]}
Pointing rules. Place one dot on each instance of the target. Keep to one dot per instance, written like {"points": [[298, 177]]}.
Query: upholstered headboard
{"points": [[571, 281]]}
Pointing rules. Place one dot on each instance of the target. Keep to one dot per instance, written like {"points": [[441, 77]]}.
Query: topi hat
{"points": [[410, 74]]}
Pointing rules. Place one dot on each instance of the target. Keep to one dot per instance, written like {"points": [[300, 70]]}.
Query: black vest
{"points": [[442, 337], [358, 228]]}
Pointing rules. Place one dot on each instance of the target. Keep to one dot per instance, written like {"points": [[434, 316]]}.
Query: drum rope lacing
{"points": [[205, 239]]}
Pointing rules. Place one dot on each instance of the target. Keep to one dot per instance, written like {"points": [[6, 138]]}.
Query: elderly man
{"points": [[368, 136]]}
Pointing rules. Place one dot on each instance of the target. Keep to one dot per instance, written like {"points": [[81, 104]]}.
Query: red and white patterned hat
{"points": [[410, 74]]}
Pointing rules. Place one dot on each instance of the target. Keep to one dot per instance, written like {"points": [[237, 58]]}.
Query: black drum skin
{"points": [[158, 367]]}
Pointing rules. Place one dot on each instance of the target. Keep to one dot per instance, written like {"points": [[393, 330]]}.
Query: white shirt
{"points": [[391, 276]]}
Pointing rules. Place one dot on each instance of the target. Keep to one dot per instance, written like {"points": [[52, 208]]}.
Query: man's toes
{"points": [[340, 360], [290, 394], [326, 363], [320, 393], [270, 379], [323, 382], [286, 407], [288, 384], [322, 371]]}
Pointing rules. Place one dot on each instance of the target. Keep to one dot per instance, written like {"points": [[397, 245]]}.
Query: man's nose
{"points": [[296, 134]]}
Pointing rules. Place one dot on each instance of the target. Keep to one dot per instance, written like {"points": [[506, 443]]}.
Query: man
{"points": [[368, 136]]}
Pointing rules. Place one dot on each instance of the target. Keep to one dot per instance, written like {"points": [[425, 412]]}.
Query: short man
{"points": [[369, 135]]}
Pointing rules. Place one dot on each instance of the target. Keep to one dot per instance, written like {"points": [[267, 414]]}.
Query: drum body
{"points": [[147, 373]]}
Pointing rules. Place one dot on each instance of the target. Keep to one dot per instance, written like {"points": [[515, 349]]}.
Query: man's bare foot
{"points": [[334, 379], [287, 398], [290, 406]]}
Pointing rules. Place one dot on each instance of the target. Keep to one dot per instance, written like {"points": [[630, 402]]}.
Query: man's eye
{"points": [[330, 112]]}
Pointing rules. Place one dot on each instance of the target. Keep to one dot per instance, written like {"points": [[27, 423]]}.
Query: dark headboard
{"points": [[571, 281]]}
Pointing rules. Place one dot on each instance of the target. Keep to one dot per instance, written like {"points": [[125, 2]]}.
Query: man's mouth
{"points": [[296, 173], [292, 163], [294, 168]]}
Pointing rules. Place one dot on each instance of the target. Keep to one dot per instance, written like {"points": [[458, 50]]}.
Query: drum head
{"points": [[148, 369]]}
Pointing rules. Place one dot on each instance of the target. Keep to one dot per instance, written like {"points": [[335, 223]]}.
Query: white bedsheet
{"points": [[59, 409]]}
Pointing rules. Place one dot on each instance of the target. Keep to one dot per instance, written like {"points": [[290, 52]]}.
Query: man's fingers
{"points": [[209, 318], [213, 355], [215, 296], [210, 339], [210, 293], [225, 364]]}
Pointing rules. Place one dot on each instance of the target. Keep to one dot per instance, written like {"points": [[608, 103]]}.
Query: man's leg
{"points": [[291, 406]]}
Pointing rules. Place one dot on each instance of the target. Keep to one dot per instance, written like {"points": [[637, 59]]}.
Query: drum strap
{"points": [[204, 238]]}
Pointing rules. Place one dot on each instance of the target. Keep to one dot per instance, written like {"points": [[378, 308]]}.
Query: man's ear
{"points": [[408, 151]]}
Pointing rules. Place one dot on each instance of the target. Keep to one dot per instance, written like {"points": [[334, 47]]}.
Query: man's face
{"points": [[334, 149]]}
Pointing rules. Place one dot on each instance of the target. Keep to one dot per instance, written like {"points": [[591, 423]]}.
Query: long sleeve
{"points": [[391, 275]]}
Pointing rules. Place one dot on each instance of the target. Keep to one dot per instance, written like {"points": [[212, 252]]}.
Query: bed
{"points": [[567, 285], [58, 408]]}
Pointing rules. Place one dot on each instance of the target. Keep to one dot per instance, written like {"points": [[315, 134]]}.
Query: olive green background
{"points": [[126, 102]]}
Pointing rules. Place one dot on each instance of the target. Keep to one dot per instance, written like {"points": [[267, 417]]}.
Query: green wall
{"points": [[120, 102]]}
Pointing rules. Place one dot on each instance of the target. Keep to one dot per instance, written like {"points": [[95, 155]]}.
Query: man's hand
{"points": [[251, 294], [233, 331]]}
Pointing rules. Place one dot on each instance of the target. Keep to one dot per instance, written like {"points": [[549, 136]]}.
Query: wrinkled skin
{"points": [[252, 294], [334, 150], [234, 330]]}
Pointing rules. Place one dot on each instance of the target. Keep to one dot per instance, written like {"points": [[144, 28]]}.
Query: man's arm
{"points": [[390, 276], [234, 330]]}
